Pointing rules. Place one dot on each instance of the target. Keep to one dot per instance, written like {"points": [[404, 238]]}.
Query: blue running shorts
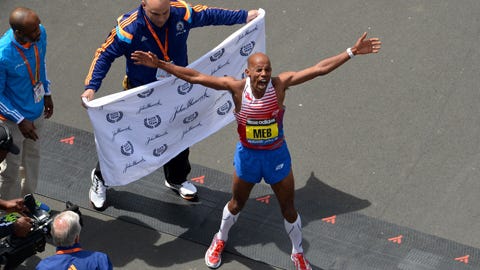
{"points": [[252, 165]]}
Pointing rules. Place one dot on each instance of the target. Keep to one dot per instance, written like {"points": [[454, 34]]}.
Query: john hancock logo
{"points": [[127, 149], [217, 55], [225, 108], [190, 118], [114, 117], [145, 94], [152, 122], [184, 88], [247, 48], [160, 150]]}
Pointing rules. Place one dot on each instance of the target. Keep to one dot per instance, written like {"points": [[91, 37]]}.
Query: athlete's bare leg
{"points": [[285, 192], [240, 192]]}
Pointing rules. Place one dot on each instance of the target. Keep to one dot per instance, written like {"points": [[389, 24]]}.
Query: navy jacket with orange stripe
{"points": [[132, 34]]}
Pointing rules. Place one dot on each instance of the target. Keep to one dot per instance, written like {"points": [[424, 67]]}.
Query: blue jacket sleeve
{"points": [[43, 67], [112, 48], [107, 264], [203, 16], [6, 107]]}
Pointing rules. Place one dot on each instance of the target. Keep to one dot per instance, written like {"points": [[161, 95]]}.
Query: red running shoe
{"points": [[213, 256], [300, 262]]}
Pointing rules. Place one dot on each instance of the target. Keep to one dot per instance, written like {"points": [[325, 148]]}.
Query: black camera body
{"points": [[14, 250]]}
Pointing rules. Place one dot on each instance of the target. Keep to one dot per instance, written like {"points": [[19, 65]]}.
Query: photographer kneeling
{"points": [[22, 226], [65, 232]]}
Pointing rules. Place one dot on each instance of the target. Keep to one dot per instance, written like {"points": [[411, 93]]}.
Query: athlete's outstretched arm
{"points": [[190, 75], [325, 66]]}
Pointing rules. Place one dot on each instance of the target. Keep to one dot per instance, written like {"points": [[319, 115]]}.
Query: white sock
{"points": [[294, 231], [228, 219]]}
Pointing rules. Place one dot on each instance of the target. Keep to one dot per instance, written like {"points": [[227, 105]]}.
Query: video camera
{"points": [[14, 250]]}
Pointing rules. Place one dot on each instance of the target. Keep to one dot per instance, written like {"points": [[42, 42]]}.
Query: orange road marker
{"points": [[265, 199], [396, 239], [69, 140], [463, 259], [200, 179], [331, 219]]}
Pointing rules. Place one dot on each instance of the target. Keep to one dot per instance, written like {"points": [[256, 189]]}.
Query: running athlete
{"points": [[162, 27], [262, 151]]}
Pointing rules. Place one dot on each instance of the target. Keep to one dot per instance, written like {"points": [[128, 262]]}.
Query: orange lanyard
{"points": [[159, 43], [37, 64], [68, 251]]}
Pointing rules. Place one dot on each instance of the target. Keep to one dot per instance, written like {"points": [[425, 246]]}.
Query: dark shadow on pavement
{"points": [[260, 223]]}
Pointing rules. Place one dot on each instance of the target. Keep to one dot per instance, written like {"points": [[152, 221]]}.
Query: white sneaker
{"points": [[98, 192], [186, 190]]}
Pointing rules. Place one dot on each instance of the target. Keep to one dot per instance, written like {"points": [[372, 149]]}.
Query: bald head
{"points": [[158, 11], [22, 16], [25, 24], [259, 70], [258, 58]]}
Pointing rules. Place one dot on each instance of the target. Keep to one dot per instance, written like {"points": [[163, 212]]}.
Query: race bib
{"points": [[261, 131], [38, 92]]}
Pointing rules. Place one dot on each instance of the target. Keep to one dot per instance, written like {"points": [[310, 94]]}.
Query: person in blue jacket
{"points": [[161, 27], [24, 96], [65, 233]]}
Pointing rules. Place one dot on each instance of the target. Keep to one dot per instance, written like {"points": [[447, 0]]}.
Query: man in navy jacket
{"points": [[161, 27]]}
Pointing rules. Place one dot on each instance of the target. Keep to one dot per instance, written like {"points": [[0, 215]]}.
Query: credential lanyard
{"points": [[37, 64], [159, 43]]}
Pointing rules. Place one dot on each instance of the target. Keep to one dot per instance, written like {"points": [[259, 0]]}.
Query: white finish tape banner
{"points": [[139, 130]]}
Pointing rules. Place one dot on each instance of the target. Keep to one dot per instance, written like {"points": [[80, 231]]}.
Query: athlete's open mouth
{"points": [[262, 83]]}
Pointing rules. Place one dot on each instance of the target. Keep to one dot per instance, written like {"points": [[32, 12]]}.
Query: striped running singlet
{"points": [[260, 121]]}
